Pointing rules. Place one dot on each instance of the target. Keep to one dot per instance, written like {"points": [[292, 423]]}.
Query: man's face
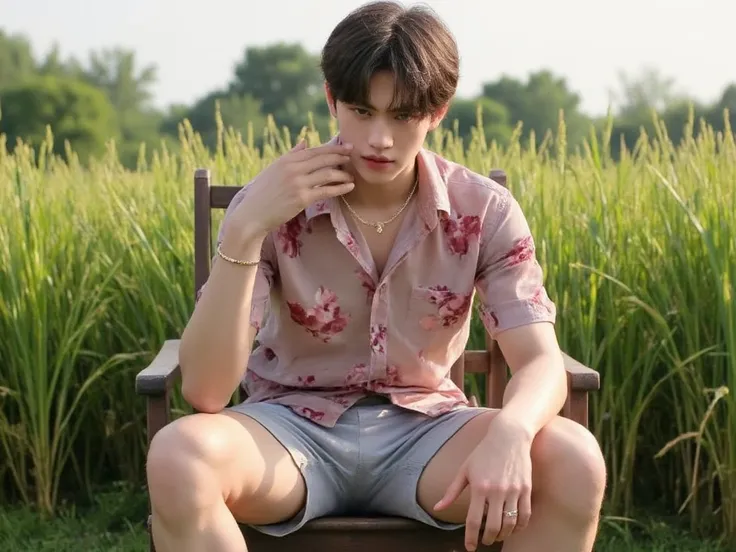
{"points": [[385, 143]]}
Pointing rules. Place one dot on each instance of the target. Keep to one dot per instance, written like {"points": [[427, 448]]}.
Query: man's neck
{"points": [[380, 197]]}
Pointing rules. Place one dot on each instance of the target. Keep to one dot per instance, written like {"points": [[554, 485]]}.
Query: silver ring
{"points": [[511, 513]]}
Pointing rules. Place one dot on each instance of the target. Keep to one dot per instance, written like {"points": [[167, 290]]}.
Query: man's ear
{"points": [[438, 115], [331, 104]]}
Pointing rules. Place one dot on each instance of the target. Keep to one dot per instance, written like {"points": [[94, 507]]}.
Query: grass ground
{"points": [[114, 523]]}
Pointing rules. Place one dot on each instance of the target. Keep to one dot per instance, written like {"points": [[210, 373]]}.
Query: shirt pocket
{"points": [[437, 310]]}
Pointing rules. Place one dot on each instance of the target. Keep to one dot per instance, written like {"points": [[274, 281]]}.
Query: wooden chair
{"points": [[357, 534]]}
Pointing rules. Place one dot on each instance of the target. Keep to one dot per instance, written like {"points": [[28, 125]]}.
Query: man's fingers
{"points": [[321, 161], [333, 190], [309, 153], [327, 175], [301, 145], [493, 518], [525, 510], [508, 523], [474, 520]]}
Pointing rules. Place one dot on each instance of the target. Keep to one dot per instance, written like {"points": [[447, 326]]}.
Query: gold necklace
{"points": [[379, 225]]}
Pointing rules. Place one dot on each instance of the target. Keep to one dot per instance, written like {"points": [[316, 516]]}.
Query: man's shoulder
{"points": [[459, 175], [465, 185]]}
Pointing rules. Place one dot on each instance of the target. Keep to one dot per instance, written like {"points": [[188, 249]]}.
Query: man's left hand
{"points": [[499, 475]]}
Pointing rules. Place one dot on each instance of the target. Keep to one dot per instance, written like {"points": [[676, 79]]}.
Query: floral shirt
{"points": [[330, 331]]}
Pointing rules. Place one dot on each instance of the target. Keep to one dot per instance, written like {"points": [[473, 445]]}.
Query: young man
{"points": [[355, 263]]}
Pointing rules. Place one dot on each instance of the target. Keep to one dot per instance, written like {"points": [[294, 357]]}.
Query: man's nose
{"points": [[380, 135]]}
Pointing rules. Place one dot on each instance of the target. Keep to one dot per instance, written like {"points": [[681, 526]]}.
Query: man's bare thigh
{"points": [[443, 468], [259, 480]]}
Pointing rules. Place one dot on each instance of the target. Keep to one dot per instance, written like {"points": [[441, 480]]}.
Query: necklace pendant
{"points": [[379, 227]]}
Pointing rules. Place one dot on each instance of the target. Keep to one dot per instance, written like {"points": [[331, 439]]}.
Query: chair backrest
{"points": [[208, 197]]}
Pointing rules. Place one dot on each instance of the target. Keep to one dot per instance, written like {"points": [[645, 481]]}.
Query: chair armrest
{"points": [[581, 377], [158, 377]]}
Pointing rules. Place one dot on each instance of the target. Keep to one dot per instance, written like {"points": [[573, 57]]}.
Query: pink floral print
{"points": [[320, 207], [311, 413], [288, 236], [488, 317], [366, 282], [378, 338], [541, 301], [329, 338], [451, 307], [342, 401], [459, 231], [352, 245], [357, 375], [325, 319], [522, 251], [261, 383], [392, 379]]}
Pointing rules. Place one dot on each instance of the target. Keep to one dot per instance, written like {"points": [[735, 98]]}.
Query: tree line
{"points": [[109, 95]]}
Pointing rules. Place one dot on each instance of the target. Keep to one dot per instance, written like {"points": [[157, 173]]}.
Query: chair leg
{"points": [[576, 407]]}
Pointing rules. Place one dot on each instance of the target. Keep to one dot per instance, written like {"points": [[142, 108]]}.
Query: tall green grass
{"points": [[639, 254]]}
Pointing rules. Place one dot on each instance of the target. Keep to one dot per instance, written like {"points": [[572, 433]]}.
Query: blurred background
{"points": [[613, 120], [133, 70]]}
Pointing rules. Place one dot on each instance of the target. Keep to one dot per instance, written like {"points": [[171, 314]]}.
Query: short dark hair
{"points": [[412, 43]]}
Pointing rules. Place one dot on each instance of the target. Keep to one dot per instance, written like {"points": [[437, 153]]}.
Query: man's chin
{"points": [[380, 177]]}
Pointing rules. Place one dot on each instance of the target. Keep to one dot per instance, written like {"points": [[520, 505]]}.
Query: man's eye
{"points": [[360, 111]]}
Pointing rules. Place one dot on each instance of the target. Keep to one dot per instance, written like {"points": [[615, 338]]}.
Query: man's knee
{"points": [[572, 468], [182, 465]]}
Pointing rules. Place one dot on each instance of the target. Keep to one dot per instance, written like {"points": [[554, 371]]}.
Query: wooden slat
{"points": [[221, 196], [576, 407], [477, 362], [497, 376], [499, 176], [202, 229], [156, 378], [581, 377], [360, 534]]}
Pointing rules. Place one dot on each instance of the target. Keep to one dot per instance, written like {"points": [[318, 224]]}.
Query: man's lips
{"points": [[376, 159]]}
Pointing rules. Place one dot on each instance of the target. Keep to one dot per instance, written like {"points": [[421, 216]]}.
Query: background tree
{"points": [[463, 115], [53, 65], [129, 90], [537, 103], [16, 59], [285, 78], [76, 111], [236, 111]]}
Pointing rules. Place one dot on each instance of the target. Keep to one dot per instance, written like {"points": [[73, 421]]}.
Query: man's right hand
{"points": [[291, 183]]}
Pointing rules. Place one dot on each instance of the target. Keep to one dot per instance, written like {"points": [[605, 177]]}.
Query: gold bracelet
{"points": [[235, 261]]}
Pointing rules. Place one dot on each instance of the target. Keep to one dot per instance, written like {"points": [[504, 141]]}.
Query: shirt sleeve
{"points": [[509, 281], [267, 271]]}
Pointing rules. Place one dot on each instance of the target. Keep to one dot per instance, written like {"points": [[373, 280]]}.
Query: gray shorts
{"points": [[369, 463]]}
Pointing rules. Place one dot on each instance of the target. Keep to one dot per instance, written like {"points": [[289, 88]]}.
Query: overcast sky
{"points": [[196, 43]]}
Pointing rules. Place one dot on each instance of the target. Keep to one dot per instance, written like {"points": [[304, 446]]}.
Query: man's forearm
{"points": [[218, 339], [536, 393]]}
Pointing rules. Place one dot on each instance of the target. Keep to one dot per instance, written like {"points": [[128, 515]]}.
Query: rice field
{"points": [[96, 271]]}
